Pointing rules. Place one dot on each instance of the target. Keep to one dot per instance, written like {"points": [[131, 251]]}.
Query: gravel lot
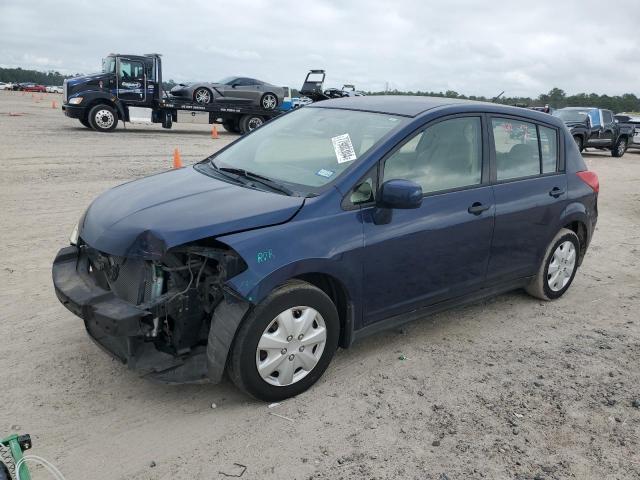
{"points": [[508, 388]]}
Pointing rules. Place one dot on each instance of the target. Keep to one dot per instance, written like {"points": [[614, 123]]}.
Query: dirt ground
{"points": [[509, 388]]}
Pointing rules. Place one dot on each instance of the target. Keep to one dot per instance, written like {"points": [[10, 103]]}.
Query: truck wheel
{"points": [[4, 472], [619, 148], [579, 142], [285, 343], [85, 122], [202, 95], [103, 118], [250, 122], [269, 101], [231, 126]]}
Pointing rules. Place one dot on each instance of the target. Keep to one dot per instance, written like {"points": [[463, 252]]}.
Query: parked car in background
{"points": [[322, 226], [32, 87], [595, 127], [6, 86], [233, 91], [631, 118], [55, 89]]}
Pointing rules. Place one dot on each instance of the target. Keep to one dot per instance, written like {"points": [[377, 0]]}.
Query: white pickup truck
{"points": [[634, 119]]}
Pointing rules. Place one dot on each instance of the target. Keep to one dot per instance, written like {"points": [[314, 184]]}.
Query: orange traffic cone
{"points": [[33, 96], [177, 161], [54, 104], [214, 132], [41, 97]]}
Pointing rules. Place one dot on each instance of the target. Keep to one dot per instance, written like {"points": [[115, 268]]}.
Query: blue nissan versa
{"points": [[324, 225]]}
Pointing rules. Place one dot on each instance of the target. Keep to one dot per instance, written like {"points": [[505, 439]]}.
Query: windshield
{"points": [[309, 147], [108, 65], [571, 115], [227, 80]]}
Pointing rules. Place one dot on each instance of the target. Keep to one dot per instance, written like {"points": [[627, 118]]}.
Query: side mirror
{"points": [[234, 85], [402, 194]]}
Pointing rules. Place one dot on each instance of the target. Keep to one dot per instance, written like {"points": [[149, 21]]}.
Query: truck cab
{"points": [[99, 100]]}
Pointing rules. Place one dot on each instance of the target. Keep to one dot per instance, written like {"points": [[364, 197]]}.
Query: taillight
{"points": [[590, 178]]}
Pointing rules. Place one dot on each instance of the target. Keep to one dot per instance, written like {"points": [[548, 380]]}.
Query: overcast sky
{"points": [[472, 46]]}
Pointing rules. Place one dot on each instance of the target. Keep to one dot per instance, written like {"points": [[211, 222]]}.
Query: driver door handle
{"points": [[555, 192], [477, 208]]}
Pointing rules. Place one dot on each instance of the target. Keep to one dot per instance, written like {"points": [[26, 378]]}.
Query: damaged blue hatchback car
{"points": [[324, 225]]}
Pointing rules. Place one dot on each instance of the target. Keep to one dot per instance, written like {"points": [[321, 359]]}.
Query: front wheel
{"points": [[579, 142], [286, 343], [619, 148], [202, 96], [103, 118], [558, 267], [85, 122]]}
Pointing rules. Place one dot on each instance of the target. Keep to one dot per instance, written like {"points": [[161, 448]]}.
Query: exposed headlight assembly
{"points": [[75, 100]]}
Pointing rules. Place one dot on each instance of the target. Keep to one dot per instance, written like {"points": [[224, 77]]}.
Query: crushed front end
{"points": [[153, 315]]}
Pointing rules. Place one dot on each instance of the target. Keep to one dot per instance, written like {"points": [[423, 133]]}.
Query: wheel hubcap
{"points": [[104, 119], [621, 147], [254, 123], [291, 346], [269, 102], [202, 96], [561, 267]]}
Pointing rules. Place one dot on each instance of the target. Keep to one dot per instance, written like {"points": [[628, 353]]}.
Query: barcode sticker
{"points": [[343, 148]]}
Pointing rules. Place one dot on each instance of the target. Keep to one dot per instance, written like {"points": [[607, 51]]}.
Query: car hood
{"points": [[146, 217]]}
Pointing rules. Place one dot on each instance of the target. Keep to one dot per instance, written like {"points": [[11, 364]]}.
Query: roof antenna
{"points": [[494, 99]]}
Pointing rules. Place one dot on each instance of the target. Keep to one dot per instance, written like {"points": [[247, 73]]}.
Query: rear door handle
{"points": [[477, 208], [556, 192]]}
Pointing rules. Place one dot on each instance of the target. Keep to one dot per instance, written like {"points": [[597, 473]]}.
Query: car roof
{"points": [[579, 108], [414, 105]]}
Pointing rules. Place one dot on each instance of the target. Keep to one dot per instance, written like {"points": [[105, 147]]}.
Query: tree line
{"points": [[555, 98], [18, 75]]}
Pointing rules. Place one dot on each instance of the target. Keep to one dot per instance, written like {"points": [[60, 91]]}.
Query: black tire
{"points": [[620, 147], [202, 96], [539, 286], [103, 118], [269, 101], [86, 123], [579, 142], [242, 367], [250, 122], [232, 126]]}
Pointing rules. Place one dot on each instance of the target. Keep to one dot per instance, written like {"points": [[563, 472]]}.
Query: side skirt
{"points": [[398, 320]]}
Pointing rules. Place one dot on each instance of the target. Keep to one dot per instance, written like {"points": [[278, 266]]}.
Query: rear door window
{"points": [[516, 147]]}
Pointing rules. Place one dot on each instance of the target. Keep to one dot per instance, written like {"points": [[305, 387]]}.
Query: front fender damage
{"points": [[186, 313]]}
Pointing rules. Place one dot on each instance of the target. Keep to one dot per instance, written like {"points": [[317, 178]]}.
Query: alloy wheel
{"points": [[269, 101], [622, 146], [202, 95], [561, 267], [291, 346]]}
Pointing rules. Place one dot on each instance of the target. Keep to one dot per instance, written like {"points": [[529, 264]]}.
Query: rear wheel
{"points": [[202, 95], [286, 343], [250, 122], [269, 101], [619, 148], [103, 118], [558, 267]]}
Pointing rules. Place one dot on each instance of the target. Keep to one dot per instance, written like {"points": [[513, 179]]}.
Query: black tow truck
{"points": [[101, 99]]}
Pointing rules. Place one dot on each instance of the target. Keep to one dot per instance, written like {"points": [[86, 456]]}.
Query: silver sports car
{"points": [[232, 90]]}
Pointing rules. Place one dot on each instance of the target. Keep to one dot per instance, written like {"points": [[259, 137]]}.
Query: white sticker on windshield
{"points": [[344, 148]]}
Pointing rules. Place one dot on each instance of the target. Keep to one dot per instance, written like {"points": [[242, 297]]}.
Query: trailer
{"points": [[100, 100]]}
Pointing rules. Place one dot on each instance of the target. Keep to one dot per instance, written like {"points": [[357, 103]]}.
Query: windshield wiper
{"points": [[256, 178]]}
